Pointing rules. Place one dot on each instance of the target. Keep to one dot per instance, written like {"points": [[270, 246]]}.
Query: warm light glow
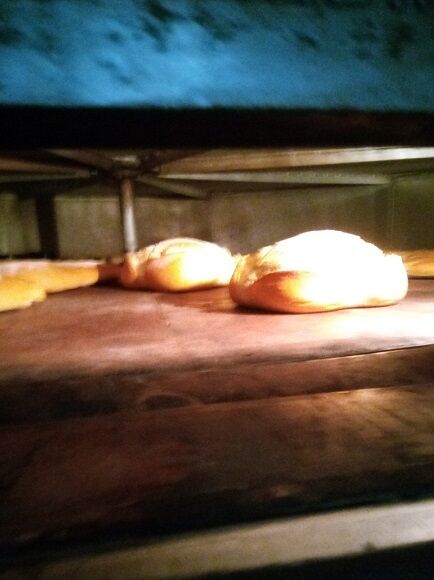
{"points": [[319, 270], [418, 328], [352, 283]]}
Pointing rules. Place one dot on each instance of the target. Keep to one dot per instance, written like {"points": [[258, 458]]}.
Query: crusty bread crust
{"points": [[55, 278], [16, 293], [178, 265], [317, 272], [24, 282], [418, 263]]}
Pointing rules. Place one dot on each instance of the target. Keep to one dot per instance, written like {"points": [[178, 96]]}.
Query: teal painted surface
{"points": [[324, 54]]}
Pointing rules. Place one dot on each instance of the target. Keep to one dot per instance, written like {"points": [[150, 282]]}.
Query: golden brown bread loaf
{"points": [[16, 293], [54, 278], [418, 263], [178, 265], [318, 271], [25, 282], [173, 265]]}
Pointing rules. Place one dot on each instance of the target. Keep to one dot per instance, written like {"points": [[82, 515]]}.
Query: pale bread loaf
{"points": [[318, 271]]}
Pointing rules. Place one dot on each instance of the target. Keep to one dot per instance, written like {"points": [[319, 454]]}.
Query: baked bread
{"points": [[54, 278], [178, 265], [25, 282], [318, 271], [418, 263], [16, 293]]}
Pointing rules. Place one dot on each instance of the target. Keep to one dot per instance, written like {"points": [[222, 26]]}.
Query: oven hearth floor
{"points": [[128, 413], [104, 330]]}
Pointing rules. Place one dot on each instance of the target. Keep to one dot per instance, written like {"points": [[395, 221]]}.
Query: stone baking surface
{"points": [[271, 414], [102, 330]]}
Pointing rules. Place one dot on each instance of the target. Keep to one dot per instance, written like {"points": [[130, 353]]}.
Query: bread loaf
{"points": [[318, 271], [16, 293], [55, 278], [25, 282], [178, 265], [418, 263]]}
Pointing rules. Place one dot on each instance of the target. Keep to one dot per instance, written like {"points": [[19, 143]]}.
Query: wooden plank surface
{"points": [[214, 464], [103, 330], [33, 401]]}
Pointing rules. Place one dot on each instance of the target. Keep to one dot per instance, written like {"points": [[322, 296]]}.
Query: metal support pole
{"points": [[128, 217]]}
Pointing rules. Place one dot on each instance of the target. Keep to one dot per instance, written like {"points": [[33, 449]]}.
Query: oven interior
{"points": [[146, 431], [175, 435]]}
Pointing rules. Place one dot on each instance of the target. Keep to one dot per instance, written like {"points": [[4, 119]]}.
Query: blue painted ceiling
{"points": [[323, 54]]}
